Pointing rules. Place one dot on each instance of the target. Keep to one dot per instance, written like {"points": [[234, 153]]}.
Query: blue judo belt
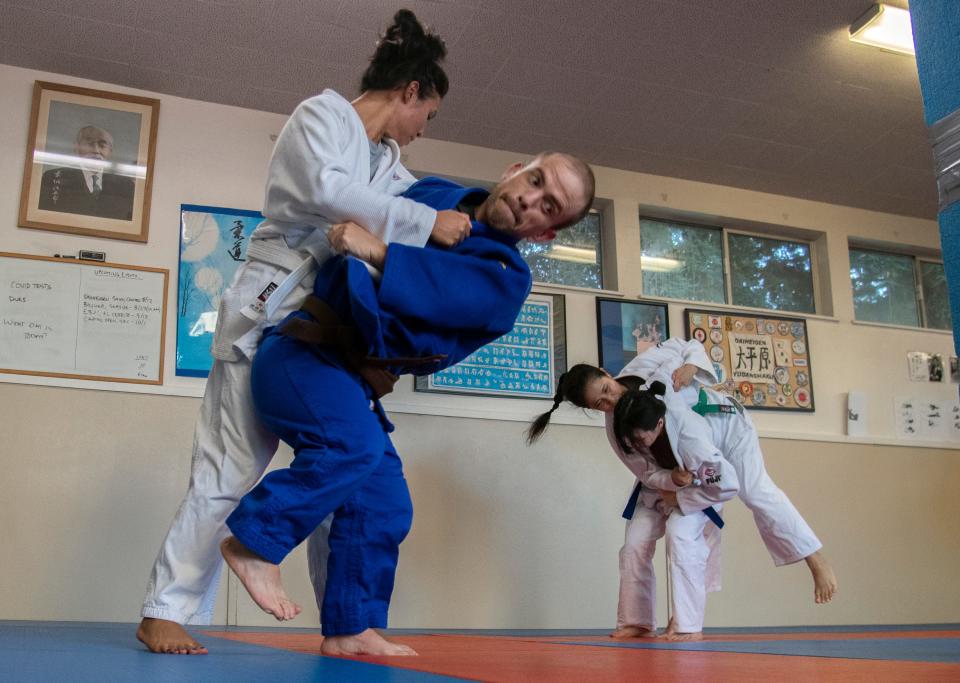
{"points": [[703, 407], [711, 514]]}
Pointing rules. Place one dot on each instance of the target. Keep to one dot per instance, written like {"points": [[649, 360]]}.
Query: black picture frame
{"points": [[645, 320]]}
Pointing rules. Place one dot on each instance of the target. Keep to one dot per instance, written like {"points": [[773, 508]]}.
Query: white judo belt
{"points": [[266, 303]]}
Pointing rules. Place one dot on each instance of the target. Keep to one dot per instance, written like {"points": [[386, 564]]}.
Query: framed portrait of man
{"points": [[89, 162]]}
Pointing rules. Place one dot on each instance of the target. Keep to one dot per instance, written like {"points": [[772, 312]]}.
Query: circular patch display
{"points": [[799, 347], [716, 336], [759, 398], [738, 325], [699, 334], [781, 400], [720, 372], [787, 389], [802, 397], [716, 353], [746, 388], [796, 329], [801, 378], [783, 329], [771, 328], [782, 375], [748, 326]]}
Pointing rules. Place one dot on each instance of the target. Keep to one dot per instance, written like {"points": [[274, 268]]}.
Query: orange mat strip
{"points": [[501, 658]]}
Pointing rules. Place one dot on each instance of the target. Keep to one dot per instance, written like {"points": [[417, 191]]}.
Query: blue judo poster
{"points": [[520, 363], [213, 245]]}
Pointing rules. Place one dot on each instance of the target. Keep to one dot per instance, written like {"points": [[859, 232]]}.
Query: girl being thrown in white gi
{"points": [[787, 536]]}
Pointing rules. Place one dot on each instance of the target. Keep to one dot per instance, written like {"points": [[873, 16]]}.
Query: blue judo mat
{"points": [[77, 652]]}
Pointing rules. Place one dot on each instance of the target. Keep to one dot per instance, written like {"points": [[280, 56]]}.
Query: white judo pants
{"points": [[231, 449], [786, 534], [687, 552]]}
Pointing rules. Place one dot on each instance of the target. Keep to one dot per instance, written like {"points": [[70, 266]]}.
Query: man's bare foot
{"points": [[634, 632], [368, 642], [675, 636], [824, 580], [167, 638], [260, 578]]}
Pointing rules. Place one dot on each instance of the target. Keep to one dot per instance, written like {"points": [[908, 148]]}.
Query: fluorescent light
{"points": [[575, 254], [885, 27], [658, 264]]}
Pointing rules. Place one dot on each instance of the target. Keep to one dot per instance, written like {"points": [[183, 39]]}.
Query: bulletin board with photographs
{"points": [[762, 360], [524, 363]]}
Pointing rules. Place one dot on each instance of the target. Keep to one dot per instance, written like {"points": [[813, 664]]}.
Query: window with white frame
{"points": [[573, 258], [899, 289], [719, 265]]}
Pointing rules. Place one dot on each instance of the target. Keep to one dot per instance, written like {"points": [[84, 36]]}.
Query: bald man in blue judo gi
{"points": [[318, 377]]}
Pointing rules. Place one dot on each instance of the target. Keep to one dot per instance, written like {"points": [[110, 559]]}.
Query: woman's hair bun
{"points": [[657, 388], [409, 40], [407, 52]]}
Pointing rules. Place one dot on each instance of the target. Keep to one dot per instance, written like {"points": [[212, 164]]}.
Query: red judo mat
{"points": [[597, 658]]}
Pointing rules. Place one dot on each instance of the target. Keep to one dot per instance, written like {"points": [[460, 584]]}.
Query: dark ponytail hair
{"points": [[638, 410], [571, 387], [407, 52]]}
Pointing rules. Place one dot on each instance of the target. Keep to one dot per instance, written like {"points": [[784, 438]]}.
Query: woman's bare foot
{"points": [[368, 642], [824, 580], [260, 578], [675, 636], [634, 632], [167, 638]]}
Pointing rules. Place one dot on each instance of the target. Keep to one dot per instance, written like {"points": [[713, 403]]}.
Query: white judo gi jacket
{"points": [[319, 175]]}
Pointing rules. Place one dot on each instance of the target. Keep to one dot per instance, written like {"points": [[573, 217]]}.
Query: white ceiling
{"points": [[767, 95]]}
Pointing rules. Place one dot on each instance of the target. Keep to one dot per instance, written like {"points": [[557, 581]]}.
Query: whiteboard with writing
{"points": [[69, 318]]}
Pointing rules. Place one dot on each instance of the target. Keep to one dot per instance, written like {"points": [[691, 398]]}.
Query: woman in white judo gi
{"points": [[334, 161], [787, 536], [649, 518]]}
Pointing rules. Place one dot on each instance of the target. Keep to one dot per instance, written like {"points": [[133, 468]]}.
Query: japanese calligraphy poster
{"points": [[213, 244], [523, 363], [763, 361]]}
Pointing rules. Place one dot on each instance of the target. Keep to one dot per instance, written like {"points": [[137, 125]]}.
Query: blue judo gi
{"points": [[430, 301]]}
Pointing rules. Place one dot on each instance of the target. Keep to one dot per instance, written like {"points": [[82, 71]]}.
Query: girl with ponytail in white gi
{"points": [[717, 444], [787, 536], [648, 516]]}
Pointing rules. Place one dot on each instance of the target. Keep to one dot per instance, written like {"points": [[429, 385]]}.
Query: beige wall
{"points": [[504, 536]]}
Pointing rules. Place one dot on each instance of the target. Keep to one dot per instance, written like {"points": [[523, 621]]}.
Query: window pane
{"points": [[769, 273], [682, 261], [935, 302], [573, 258], [883, 287]]}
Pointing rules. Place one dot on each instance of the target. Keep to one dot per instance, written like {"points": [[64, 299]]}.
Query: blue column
{"points": [[936, 34]]}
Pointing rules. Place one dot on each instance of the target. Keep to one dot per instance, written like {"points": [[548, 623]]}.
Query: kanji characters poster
{"points": [[762, 360]]}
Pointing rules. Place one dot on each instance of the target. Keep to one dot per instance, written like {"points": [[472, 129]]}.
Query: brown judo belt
{"points": [[325, 329]]}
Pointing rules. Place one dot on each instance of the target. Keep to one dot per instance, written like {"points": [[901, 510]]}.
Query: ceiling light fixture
{"points": [[575, 254], [659, 264], [885, 27]]}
